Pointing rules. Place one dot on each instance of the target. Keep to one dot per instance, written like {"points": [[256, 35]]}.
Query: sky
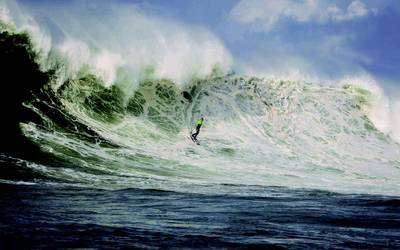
{"points": [[331, 38], [316, 38]]}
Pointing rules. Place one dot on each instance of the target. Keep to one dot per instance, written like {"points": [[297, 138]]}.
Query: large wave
{"points": [[100, 128]]}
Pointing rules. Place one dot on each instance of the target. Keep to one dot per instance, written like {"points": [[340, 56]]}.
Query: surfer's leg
{"points": [[196, 134]]}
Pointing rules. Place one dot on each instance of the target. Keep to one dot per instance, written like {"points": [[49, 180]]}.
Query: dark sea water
{"points": [[43, 216]]}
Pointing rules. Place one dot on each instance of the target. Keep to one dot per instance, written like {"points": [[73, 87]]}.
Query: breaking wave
{"points": [[85, 122]]}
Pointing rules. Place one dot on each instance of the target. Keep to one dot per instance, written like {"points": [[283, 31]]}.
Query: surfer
{"points": [[199, 124]]}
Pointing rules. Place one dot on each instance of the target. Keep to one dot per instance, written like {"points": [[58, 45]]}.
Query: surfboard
{"points": [[194, 140]]}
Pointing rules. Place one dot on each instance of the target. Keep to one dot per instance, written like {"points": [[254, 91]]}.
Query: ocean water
{"points": [[100, 159], [57, 216]]}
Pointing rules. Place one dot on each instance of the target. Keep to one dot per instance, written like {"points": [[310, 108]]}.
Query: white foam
{"points": [[13, 15], [102, 63], [383, 112], [114, 35]]}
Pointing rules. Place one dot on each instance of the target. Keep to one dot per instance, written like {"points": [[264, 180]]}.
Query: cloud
{"points": [[356, 9], [264, 15]]}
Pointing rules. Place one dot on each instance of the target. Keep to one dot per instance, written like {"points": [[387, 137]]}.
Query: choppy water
{"points": [[53, 216]]}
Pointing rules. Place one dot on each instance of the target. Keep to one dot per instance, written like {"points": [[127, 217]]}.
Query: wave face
{"points": [[256, 132]]}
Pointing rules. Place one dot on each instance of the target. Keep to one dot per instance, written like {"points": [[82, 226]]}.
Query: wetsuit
{"points": [[199, 123]]}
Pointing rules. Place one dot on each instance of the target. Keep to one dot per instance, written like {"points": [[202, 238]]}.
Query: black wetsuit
{"points": [[199, 124], [194, 135]]}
